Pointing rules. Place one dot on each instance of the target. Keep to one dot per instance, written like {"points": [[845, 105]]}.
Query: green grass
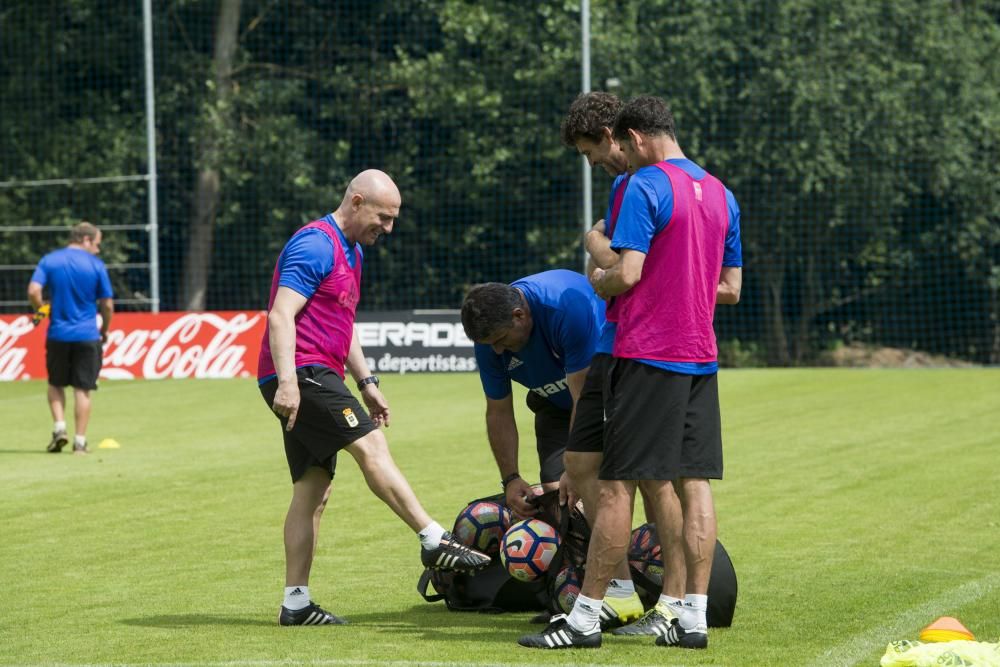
{"points": [[858, 506]]}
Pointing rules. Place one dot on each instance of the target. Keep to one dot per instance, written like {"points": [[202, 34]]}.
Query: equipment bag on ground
{"points": [[646, 567], [481, 525]]}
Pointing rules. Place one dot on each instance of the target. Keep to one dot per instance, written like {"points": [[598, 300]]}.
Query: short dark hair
{"points": [[488, 307], [644, 114], [82, 231], [587, 117]]}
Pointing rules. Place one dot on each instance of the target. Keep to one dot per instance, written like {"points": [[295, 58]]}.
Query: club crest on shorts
{"points": [[352, 419]]}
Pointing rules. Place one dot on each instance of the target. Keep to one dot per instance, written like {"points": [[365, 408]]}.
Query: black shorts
{"points": [[660, 425], [551, 434], [588, 426], [77, 364], [329, 419]]}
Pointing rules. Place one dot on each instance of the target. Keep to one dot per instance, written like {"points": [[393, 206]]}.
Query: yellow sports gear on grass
{"points": [[908, 653]]}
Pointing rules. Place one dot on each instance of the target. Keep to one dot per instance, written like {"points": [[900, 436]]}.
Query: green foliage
{"points": [[858, 506], [47, 132], [862, 140], [829, 122], [739, 354]]}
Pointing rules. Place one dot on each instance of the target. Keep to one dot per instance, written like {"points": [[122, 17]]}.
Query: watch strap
{"points": [[371, 379]]}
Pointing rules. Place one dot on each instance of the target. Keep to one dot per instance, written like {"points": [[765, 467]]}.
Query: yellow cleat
{"points": [[616, 612]]}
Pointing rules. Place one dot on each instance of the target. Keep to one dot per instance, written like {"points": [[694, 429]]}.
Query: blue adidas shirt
{"points": [[645, 212], [567, 320], [76, 280]]}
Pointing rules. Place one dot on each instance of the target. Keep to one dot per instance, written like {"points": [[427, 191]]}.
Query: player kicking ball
{"points": [[308, 345]]}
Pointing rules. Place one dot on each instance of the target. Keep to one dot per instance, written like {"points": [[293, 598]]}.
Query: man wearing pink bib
{"points": [[308, 344], [678, 235]]}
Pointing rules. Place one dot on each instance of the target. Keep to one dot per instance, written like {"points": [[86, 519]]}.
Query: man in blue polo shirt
{"points": [[540, 331], [78, 285]]}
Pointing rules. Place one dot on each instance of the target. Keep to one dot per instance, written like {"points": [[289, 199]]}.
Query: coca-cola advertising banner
{"points": [[221, 344], [225, 344]]}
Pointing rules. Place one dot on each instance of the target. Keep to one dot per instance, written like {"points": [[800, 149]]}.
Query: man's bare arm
{"points": [[730, 285]]}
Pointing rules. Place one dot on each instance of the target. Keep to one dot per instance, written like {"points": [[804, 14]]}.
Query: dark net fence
{"points": [[862, 140]]}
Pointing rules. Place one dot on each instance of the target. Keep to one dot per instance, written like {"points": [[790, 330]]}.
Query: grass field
{"points": [[858, 506]]}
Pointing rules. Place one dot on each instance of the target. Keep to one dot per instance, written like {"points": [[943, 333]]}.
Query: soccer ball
{"points": [[481, 526], [567, 587], [644, 552], [527, 549]]}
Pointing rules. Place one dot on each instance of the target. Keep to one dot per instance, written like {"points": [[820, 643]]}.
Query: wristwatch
{"points": [[371, 379]]}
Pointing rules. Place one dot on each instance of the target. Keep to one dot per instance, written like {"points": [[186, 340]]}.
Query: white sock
{"points": [[694, 613], [79, 440], [666, 600], [670, 604], [430, 536], [620, 588], [58, 426], [296, 597], [586, 615]]}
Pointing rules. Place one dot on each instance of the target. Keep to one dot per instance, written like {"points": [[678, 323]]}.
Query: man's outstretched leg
{"points": [[439, 550]]}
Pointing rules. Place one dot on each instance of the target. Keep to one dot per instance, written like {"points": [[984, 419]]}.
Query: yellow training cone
{"points": [[108, 443], [945, 629]]}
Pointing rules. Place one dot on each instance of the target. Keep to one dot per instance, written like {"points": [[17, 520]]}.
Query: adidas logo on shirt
{"points": [[514, 363]]}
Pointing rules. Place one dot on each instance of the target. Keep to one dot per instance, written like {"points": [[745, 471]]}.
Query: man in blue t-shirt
{"points": [[78, 286], [540, 331]]}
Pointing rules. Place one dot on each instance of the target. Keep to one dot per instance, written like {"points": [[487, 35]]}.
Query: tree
{"points": [[814, 114], [217, 125], [861, 140], [70, 111]]}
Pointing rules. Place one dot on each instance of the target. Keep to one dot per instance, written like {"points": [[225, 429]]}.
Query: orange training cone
{"points": [[945, 629]]}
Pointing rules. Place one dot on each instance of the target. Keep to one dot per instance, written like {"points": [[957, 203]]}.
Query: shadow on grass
{"points": [[192, 620], [424, 621], [437, 622]]}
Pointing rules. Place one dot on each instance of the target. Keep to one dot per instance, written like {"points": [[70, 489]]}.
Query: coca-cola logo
{"points": [[198, 345], [11, 355]]}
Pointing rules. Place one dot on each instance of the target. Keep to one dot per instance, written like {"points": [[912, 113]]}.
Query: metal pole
{"points": [[588, 197], [154, 242]]}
